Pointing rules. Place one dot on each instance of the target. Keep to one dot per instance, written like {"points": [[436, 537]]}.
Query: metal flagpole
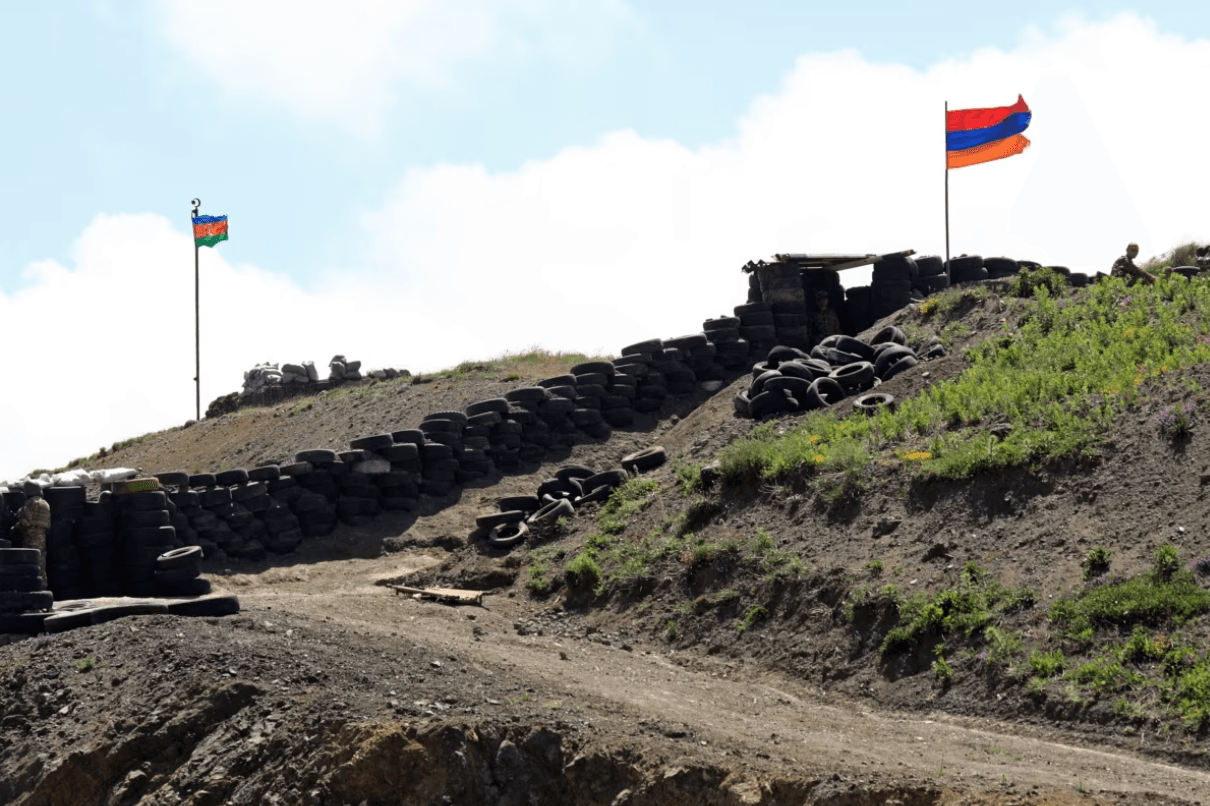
{"points": [[197, 311], [947, 191]]}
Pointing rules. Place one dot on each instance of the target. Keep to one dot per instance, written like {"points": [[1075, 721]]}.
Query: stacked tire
{"points": [[754, 292], [732, 350], [756, 326], [859, 307], [63, 566], [966, 269], [931, 276], [179, 573], [22, 593], [1000, 267], [316, 474], [96, 545], [891, 288], [645, 362], [143, 536]]}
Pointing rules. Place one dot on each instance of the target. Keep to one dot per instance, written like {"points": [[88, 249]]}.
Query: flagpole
{"points": [[197, 312], [947, 193]]}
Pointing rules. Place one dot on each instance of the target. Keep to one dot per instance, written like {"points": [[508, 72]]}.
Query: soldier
{"points": [[825, 322], [33, 522], [1124, 267]]}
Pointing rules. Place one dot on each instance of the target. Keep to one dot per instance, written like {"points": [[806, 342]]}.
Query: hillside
{"points": [[989, 595]]}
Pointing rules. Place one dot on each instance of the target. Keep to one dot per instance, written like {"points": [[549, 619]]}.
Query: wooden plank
{"points": [[454, 594]]}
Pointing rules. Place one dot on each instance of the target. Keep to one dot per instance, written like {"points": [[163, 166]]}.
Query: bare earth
{"points": [[329, 688]]}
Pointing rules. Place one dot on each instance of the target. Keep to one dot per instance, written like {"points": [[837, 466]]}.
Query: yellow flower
{"points": [[814, 439], [818, 458]]}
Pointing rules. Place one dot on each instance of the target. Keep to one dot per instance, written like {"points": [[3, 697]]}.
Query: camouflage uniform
{"points": [[1124, 267], [824, 323], [33, 522]]}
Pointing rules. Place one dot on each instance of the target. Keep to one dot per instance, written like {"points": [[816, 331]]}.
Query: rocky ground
{"points": [[330, 688]]}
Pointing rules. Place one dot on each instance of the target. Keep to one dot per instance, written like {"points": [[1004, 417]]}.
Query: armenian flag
{"points": [[973, 136], [209, 229]]}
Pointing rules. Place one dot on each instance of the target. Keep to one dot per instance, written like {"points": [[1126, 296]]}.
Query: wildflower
{"points": [[818, 458]]}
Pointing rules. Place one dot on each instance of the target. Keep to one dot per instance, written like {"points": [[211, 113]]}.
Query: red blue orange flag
{"points": [[973, 136]]}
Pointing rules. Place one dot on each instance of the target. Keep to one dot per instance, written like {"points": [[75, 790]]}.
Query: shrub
{"points": [[1097, 562], [1047, 664]]}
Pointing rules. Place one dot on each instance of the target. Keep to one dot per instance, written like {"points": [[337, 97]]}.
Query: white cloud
{"points": [[321, 58], [629, 238]]}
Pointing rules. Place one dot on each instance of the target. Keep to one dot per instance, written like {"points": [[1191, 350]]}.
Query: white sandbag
{"points": [[71, 478], [112, 474]]}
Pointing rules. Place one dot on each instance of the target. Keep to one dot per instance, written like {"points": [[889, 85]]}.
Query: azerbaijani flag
{"points": [[209, 229], [973, 136]]}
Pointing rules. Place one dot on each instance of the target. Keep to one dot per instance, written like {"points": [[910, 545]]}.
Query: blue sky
{"points": [[452, 159]]}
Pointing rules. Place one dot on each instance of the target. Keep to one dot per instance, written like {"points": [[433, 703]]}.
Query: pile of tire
{"points": [[732, 350], [572, 487], [838, 367], [966, 269], [225, 512], [63, 565], [858, 308], [22, 594]]}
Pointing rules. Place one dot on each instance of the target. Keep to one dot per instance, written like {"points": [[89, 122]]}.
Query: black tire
{"points": [[782, 353], [872, 402], [594, 366], [574, 472], [67, 620], [601, 493], [19, 557], [853, 375], [456, 416], [23, 623], [500, 518], [507, 535], [143, 501], [838, 358], [1001, 267], [930, 266], [19, 602], [227, 478], [558, 380], [249, 491], [178, 558], [856, 347], [430, 427], [808, 369], [934, 283], [372, 443], [611, 478], [265, 473], [146, 517], [526, 394], [212, 606], [496, 404], [526, 503], [316, 456], [767, 403], [889, 334], [758, 385], [823, 393], [742, 403], [722, 323], [644, 460], [552, 512], [189, 587], [789, 383], [649, 346], [888, 357], [201, 480], [904, 363], [178, 575], [404, 452]]}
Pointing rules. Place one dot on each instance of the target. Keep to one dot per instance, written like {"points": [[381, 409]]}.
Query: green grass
{"points": [[540, 561], [624, 502], [512, 366], [970, 609], [688, 476], [751, 617], [1165, 594], [1047, 664], [1184, 254], [1061, 379]]}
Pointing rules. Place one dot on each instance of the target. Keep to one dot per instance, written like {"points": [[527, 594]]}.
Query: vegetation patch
{"points": [[1059, 380], [970, 608]]}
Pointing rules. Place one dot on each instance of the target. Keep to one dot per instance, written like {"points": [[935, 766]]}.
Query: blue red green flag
{"points": [[209, 229], [973, 136]]}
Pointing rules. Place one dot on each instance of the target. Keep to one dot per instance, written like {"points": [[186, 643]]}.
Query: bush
{"points": [[1097, 562]]}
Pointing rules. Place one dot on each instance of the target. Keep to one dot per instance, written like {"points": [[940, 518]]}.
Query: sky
{"points": [[416, 183]]}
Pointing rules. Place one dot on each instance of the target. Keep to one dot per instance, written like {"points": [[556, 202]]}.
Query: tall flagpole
{"points": [[947, 191], [197, 309]]}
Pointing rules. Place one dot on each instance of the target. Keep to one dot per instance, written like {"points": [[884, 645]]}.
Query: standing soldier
{"points": [[824, 321], [33, 522]]}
